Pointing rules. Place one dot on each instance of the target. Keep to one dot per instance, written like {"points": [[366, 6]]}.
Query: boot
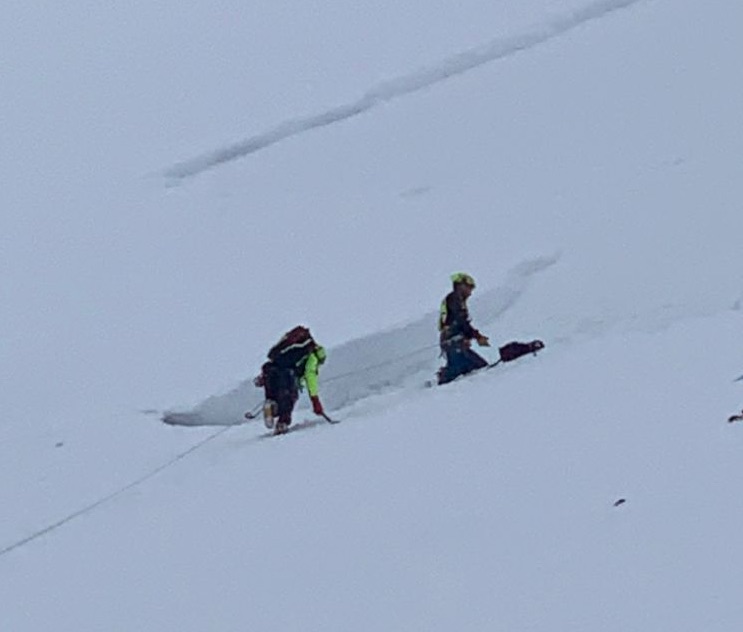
{"points": [[442, 375], [269, 413], [282, 425]]}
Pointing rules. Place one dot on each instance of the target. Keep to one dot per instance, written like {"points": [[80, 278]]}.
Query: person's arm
{"points": [[459, 318], [310, 375], [462, 318], [310, 378], [444, 315]]}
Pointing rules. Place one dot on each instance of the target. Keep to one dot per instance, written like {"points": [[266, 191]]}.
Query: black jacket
{"points": [[454, 319]]}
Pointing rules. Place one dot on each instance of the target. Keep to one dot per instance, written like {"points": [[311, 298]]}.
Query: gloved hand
{"points": [[316, 405], [259, 381], [483, 341]]}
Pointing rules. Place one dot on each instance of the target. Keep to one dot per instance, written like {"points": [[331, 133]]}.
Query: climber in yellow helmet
{"points": [[456, 333]]}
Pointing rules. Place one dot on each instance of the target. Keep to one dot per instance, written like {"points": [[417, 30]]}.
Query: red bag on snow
{"points": [[514, 350]]}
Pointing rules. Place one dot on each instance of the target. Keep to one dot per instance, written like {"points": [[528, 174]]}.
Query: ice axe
{"points": [[329, 420], [252, 414]]}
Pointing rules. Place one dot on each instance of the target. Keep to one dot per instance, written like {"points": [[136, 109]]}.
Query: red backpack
{"points": [[292, 348]]}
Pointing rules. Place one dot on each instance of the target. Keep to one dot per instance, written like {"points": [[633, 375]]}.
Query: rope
{"points": [[105, 499], [91, 507], [381, 364]]}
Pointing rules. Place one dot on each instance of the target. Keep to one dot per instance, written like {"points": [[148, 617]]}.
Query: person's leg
{"points": [[270, 389], [460, 360], [472, 361], [286, 396], [454, 364], [270, 380]]}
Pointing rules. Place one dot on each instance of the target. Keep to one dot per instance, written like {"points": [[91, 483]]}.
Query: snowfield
{"points": [[590, 183]]}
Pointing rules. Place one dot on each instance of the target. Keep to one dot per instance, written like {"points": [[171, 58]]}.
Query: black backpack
{"points": [[294, 346]]}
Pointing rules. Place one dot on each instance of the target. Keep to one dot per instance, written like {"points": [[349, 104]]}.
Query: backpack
{"points": [[295, 345], [514, 350]]}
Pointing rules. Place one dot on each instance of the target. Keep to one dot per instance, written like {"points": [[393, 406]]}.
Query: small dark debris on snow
{"points": [[620, 501], [59, 444], [736, 417]]}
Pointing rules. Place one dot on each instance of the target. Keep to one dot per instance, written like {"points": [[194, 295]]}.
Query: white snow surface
{"points": [[581, 159]]}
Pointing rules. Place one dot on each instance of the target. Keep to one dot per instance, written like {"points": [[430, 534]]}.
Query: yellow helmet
{"points": [[463, 277]]}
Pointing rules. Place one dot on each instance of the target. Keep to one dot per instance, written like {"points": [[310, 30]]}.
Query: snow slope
{"points": [[588, 178]]}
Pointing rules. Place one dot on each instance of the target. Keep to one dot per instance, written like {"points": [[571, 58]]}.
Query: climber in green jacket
{"points": [[293, 363]]}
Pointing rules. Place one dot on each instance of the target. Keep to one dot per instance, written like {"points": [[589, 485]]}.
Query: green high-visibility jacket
{"points": [[311, 370]]}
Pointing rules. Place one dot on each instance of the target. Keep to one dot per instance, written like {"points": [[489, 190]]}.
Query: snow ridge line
{"points": [[390, 359], [101, 501], [413, 82]]}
